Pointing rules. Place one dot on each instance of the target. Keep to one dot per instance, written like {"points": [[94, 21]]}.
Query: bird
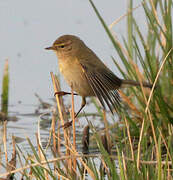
{"points": [[87, 74]]}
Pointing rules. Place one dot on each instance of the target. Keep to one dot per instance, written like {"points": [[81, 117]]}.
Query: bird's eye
{"points": [[61, 46]]}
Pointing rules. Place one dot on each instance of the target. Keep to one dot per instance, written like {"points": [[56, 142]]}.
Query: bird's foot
{"points": [[67, 125], [62, 93]]}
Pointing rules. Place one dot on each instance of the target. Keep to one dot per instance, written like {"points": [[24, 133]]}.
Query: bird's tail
{"points": [[126, 83]]}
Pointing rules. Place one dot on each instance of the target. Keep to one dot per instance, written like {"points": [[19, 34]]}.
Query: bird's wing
{"points": [[104, 84]]}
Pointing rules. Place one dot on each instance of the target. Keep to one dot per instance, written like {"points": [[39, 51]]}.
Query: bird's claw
{"points": [[62, 93], [67, 125]]}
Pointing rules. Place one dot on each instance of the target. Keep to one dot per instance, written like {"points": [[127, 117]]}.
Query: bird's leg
{"points": [[62, 93], [68, 124], [82, 106]]}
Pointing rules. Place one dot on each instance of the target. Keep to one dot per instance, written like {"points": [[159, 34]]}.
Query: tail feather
{"points": [[126, 83]]}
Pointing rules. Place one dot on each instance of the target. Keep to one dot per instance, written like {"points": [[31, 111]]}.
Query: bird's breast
{"points": [[75, 77]]}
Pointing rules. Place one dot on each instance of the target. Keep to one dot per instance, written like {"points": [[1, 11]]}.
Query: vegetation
{"points": [[4, 96]]}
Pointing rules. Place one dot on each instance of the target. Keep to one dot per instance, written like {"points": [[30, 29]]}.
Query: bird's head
{"points": [[66, 45]]}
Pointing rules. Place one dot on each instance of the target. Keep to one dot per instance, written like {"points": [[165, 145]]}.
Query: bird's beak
{"points": [[50, 48]]}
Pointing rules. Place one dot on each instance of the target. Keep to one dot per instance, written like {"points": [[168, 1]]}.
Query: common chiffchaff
{"points": [[87, 74]]}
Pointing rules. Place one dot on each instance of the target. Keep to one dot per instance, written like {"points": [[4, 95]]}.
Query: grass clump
{"points": [[149, 114]]}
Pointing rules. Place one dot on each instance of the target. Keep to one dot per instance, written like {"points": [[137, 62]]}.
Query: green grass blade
{"points": [[5, 90]]}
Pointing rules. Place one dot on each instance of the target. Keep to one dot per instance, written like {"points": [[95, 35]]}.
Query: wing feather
{"points": [[104, 85]]}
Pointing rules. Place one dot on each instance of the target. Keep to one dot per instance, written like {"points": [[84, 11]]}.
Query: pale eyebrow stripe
{"points": [[62, 44]]}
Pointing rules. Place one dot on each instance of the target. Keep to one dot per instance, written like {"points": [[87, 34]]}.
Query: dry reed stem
{"points": [[67, 132], [60, 98], [58, 103], [38, 133], [155, 12], [56, 151], [73, 125], [5, 140], [62, 106], [14, 145], [59, 141], [146, 110], [64, 113], [11, 165], [53, 132], [60, 112], [124, 166], [147, 175]]}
